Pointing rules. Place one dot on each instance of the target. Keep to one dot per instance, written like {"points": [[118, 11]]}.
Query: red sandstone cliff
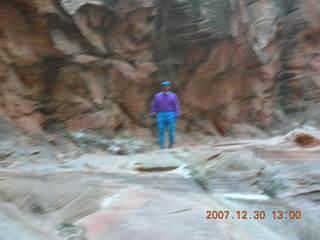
{"points": [[95, 64]]}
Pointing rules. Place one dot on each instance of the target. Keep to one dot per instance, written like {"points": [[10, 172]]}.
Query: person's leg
{"points": [[172, 126], [161, 128], [166, 131]]}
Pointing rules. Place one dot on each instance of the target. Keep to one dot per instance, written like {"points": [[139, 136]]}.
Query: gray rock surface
{"points": [[101, 196], [157, 161]]}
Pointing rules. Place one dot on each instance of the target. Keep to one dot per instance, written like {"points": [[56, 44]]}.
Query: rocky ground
{"points": [[76, 81], [165, 194]]}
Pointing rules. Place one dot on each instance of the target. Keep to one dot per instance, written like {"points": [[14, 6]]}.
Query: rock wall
{"points": [[95, 64]]}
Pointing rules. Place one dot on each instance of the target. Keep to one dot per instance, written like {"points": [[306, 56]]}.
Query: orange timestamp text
{"points": [[258, 215]]}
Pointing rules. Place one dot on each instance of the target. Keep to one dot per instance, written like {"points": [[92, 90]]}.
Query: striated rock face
{"points": [[98, 196], [95, 64]]}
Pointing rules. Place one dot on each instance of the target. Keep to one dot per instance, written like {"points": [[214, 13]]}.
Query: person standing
{"points": [[166, 108]]}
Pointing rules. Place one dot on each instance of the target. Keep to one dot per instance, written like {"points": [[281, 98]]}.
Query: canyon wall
{"points": [[95, 64]]}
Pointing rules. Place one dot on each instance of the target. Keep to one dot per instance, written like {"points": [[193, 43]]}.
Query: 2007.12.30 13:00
{"points": [[277, 215]]}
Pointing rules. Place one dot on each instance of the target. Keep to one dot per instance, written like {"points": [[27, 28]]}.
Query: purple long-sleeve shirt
{"points": [[163, 102]]}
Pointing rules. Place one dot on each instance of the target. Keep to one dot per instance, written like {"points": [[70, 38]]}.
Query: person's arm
{"points": [[154, 106], [177, 105]]}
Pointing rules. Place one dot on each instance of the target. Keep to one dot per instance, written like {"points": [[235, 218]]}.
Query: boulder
{"points": [[158, 161]]}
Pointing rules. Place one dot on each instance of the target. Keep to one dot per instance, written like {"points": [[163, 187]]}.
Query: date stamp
{"points": [[258, 215]]}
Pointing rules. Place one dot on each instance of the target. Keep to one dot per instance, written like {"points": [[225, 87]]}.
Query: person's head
{"points": [[166, 86]]}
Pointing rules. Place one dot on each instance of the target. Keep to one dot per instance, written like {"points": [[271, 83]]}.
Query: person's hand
{"points": [[153, 115]]}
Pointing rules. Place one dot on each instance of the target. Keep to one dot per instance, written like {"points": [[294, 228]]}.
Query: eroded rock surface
{"points": [[102, 196], [94, 65], [74, 72]]}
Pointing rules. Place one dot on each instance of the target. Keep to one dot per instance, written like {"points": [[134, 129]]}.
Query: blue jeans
{"points": [[166, 120]]}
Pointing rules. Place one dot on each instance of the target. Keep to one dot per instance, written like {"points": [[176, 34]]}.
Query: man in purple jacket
{"points": [[166, 107]]}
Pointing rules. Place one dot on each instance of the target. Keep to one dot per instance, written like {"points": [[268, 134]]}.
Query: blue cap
{"points": [[165, 83]]}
